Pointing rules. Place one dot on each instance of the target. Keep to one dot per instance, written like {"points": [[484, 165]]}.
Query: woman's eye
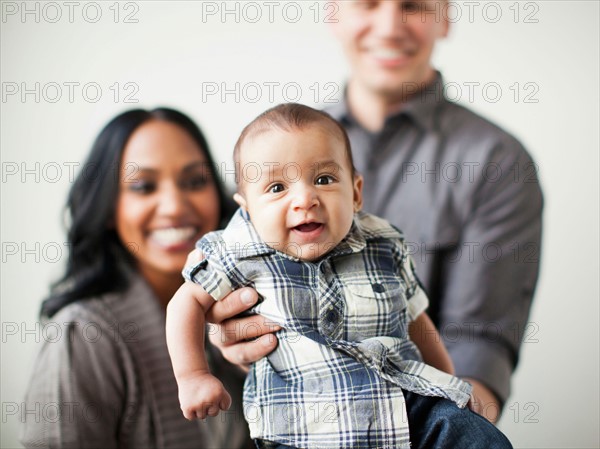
{"points": [[142, 187], [276, 188], [365, 4], [324, 180], [412, 6], [195, 182]]}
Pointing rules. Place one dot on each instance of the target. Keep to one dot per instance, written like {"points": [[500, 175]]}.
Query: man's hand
{"points": [[240, 340], [483, 401]]}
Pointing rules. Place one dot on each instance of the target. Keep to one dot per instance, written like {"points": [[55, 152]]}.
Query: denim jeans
{"points": [[437, 423]]}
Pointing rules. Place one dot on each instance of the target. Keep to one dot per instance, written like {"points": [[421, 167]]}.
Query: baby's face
{"points": [[299, 190]]}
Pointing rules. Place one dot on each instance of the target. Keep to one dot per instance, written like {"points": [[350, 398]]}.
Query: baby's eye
{"points": [[276, 188], [324, 180]]}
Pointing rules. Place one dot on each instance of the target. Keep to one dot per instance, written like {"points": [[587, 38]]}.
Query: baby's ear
{"points": [[240, 200], [358, 185]]}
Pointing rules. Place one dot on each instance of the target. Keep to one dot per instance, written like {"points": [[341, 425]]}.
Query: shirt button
{"points": [[331, 320], [378, 288], [331, 316]]}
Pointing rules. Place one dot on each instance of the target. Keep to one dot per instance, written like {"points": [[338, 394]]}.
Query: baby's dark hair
{"points": [[289, 117]]}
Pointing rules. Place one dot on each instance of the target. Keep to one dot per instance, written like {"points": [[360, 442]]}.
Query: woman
{"points": [[148, 191]]}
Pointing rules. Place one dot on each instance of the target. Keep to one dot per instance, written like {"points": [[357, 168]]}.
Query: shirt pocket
{"points": [[375, 308]]}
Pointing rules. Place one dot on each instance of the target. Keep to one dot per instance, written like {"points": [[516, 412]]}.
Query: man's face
{"points": [[298, 189], [389, 43]]}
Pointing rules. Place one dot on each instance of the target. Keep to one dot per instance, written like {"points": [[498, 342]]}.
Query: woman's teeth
{"points": [[173, 236]]}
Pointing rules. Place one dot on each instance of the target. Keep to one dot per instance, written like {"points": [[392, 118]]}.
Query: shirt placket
{"points": [[331, 303]]}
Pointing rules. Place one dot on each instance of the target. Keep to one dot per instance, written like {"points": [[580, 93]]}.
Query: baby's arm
{"points": [[423, 333], [200, 393]]}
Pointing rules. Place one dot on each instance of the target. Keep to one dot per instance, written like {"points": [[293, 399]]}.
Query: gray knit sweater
{"points": [[103, 378]]}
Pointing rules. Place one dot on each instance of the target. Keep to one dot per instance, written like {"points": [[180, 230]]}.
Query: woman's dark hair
{"points": [[97, 256]]}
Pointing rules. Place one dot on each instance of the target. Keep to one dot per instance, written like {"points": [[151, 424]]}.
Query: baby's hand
{"points": [[202, 395]]}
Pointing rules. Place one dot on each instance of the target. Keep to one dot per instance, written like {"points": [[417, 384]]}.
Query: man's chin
{"points": [[394, 86]]}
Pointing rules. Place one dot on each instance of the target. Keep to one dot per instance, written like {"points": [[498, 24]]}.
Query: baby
{"points": [[359, 363]]}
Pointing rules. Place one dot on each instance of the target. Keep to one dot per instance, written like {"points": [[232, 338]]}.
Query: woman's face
{"points": [[167, 198]]}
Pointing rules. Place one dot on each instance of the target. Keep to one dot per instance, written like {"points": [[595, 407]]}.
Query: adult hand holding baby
{"points": [[243, 340]]}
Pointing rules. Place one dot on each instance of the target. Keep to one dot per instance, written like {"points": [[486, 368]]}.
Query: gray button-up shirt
{"points": [[467, 196]]}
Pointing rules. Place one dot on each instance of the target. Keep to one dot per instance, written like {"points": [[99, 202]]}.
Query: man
{"points": [[464, 192]]}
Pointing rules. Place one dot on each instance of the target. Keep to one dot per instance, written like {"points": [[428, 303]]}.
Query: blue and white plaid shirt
{"points": [[344, 355]]}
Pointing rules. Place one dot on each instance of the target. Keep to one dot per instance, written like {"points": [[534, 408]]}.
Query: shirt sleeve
{"points": [[210, 273], [75, 396], [415, 295], [489, 283]]}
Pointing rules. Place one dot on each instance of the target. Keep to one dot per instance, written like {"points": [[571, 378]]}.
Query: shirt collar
{"points": [[353, 242], [421, 107], [241, 237]]}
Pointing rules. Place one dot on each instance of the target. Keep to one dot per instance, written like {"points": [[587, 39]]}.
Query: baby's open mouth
{"points": [[308, 227]]}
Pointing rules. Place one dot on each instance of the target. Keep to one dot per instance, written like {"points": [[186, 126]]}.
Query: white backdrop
{"points": [[533, 67]]}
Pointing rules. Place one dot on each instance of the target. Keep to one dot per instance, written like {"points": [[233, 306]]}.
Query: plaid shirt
{"points": [[344, 355]]}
